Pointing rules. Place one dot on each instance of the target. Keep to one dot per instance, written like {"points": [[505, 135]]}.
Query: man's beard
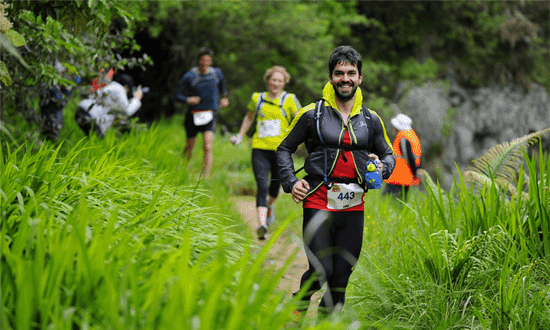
{"points": [[345, 97]]}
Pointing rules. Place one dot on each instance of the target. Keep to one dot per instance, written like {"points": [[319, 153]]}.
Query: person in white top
{"points": [[99, 112]]}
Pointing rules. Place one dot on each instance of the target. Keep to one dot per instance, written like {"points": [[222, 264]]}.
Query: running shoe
{"points": [[270, 215], [261, 231]]}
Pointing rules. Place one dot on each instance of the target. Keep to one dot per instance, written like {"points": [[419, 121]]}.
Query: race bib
{"points": [[269, 128], [343, 196], [203, 117]]}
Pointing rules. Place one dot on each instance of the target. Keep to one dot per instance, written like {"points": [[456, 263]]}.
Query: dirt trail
{"points": [[282, 250]]}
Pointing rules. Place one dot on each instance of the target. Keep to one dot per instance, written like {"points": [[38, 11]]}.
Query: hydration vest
{"points": [[282, 100]]}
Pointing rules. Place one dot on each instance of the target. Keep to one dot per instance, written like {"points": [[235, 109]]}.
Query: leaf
{"points": [[71, 68], [76, 27], [4, 74], [427, 179], [56, 31], [475, 177], [16, 39], [5, 130], [65, 20], [502, 162], [79, 23], [5, 43]]}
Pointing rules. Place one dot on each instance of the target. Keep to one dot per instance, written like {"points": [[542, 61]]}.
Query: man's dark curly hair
{"points": [[345, 54], [205, 51], [125, 80]]}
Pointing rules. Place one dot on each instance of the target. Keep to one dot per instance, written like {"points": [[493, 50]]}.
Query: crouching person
{"points": [[110, 105]]}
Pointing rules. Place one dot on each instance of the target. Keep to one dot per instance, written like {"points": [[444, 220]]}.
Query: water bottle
{"points": [[373, 177]]}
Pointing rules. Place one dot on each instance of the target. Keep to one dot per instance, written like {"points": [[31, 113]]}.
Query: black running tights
{"points": [[263, 163], [333, 242]]}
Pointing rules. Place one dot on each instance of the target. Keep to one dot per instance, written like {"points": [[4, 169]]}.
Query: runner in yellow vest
{"points": [[273, 111]]}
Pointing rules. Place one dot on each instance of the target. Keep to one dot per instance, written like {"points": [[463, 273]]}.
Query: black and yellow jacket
{"points": [[367, 135]]}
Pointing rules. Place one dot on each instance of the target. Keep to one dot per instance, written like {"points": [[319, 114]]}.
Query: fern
{"points": [[427, 179], [502, 162]]}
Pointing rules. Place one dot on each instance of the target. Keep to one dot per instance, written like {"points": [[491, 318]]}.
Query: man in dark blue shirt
{"points": [[200, 88]]}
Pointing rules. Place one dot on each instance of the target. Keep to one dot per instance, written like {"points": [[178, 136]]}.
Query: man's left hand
{"points": [[377, 160]]}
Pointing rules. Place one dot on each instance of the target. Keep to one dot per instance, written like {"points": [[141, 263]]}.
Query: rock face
{"points": [[457, 125]]}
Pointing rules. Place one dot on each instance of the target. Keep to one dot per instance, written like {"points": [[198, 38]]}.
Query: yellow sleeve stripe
{"points": [[384, 128], [305, 109]]}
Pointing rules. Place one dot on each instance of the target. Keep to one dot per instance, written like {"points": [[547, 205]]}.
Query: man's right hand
{"points": [[299, 190], [193, 100]]}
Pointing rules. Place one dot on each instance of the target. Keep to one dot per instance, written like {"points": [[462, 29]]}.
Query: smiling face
{"points": [[204, 63], [276, 83], [345, 79]]}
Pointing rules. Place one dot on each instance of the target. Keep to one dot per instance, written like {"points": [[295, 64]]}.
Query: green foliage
{"points": [[378, 77], [457, 259], [79, 15], [115, 233], [537, 224], [502, 163], [9, 40], [482, 41], [122, 233], [97, 236], [419, 72], [248, 37], [72, 33]]}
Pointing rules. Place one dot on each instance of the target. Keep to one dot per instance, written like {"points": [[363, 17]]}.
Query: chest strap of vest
{"points": [[332, 180]]}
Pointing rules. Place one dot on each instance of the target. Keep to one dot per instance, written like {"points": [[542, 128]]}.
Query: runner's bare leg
{"points": [[208, 138]]}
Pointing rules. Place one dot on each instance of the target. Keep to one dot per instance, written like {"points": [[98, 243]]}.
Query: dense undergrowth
{"points": [[120, 234]]}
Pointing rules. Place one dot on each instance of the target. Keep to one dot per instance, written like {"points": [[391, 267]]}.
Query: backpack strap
{"points": [[318, 107], [317, 118], [282, 99], [259, 103], [370, 126]]}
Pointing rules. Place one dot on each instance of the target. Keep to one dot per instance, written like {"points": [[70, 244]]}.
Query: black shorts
{"points": [[192, 130]]}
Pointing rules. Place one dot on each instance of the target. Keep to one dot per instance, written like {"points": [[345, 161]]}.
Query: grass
{"points": [[118, 234], [456, 260]]}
